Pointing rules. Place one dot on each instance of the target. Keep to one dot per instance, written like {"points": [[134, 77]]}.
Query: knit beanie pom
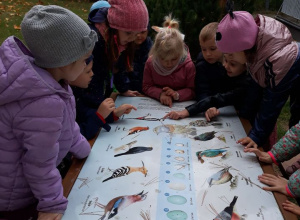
{"points": [[56, 36], [236, 32], [128, 15]]}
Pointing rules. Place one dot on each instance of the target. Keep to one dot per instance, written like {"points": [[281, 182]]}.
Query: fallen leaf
{"points": [[16, 27]]}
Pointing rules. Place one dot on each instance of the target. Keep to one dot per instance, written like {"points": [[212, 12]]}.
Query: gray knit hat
{"points": [[56, 36]]}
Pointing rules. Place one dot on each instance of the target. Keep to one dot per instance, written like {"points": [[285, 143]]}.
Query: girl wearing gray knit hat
{"points": [[37, 109]]}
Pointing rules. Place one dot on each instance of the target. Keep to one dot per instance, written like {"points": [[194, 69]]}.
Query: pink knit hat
{"points": [[128, 15], [236, 32]]}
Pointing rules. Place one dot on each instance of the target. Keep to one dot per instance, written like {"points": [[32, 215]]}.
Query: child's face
{"points": [[169, 62], [73, 70], [126, 37], [233, 67], [141, 37], [84, 78], [210, 51]]}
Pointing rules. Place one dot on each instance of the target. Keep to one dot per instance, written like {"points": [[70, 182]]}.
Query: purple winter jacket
{"points": [[37, 130]]}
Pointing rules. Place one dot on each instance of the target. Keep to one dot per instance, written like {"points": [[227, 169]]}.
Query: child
{"points": [[37, 110], [272, 57], [117, 25], [107, 105], [169, 71], [143, 45], [219, 86], [211, 77], [286, 148]]}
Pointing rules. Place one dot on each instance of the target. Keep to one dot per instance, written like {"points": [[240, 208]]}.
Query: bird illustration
{"points": [[123, 171], [135, 150], [205, 136], [221, 177], [174, 129], [119, 203], [204, 123], [125, 146], [210, 153], [226, 214], [136, 130]]}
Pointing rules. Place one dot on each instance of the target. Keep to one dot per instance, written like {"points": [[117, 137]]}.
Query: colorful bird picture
{"points": [[117, 204], [209, 135], [135, 130], [227, 213], [204, 123], [210, 153], [123, 171], [221, 177]]}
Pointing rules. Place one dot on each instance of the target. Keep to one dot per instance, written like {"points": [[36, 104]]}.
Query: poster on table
{"points": [[148, 168]]}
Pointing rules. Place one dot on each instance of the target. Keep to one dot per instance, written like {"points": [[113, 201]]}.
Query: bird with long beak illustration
{"points": [[227, 213], [135, 150], [135, 130], [119, 203], [210, 153], [221, 177], [123, 171]]}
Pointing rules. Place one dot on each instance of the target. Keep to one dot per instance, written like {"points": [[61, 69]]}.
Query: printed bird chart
{"points": [[148, 168]]}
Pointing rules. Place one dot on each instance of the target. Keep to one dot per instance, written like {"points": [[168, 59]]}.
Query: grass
{"points": [[13, 11]]}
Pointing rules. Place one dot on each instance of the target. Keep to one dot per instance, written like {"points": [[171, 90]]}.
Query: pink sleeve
{"points": [[272, 157]]}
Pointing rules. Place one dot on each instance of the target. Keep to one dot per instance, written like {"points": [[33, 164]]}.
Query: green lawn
{"points": [[12, 12]]}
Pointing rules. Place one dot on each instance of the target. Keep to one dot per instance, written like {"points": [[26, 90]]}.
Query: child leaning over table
{"points": [[117, 23], [272, 57], [286, 148], [37, 109], [107, 105], [169, 71], [220, 85]]}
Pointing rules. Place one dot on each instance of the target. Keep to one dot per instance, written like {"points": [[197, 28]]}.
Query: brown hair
{"points": [[112, 47], [208, 31]]}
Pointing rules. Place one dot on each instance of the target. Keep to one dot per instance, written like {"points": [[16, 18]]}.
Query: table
{"points": [[77, 165]]}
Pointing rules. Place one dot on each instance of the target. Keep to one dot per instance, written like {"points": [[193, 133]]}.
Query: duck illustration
{"points": [[119, 203]]}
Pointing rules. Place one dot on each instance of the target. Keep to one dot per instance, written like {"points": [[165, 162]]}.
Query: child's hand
{"points": [[177, 115], [124, 109], [292, 207], [211, 112], [276, 183], [165, 99], [49, 216], [262, 156], [247, 142], [131, 93], [170, 92], [106, 107]]}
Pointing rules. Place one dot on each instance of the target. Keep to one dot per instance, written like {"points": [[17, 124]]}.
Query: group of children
{"points": [[252, 64]]}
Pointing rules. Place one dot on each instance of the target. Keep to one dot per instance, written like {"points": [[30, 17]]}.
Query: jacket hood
{"points": [[20, 78]]}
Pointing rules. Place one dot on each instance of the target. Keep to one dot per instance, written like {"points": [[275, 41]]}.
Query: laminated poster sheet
{"points": [[146, 168]]}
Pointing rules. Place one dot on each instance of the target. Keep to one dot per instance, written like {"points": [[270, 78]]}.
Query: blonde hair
{"points": [[168, 41], [208, 31]]}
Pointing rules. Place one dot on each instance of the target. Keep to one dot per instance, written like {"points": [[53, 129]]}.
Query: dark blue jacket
{"points": [[210, 78], [100, 88], [140, 58], [219, 90]]}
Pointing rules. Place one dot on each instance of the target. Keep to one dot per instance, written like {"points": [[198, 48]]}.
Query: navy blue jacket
{"points": [[219, 90], [100, 88], [140, 58]]}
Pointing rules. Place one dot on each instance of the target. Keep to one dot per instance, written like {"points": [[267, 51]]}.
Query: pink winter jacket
{"points": [[181, 80], [274, 44], [37, 130]]}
